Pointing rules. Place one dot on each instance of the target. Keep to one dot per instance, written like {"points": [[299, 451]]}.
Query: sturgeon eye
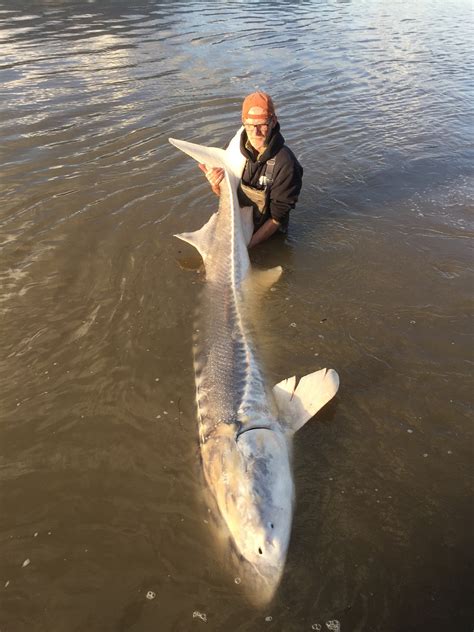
{"points": [[260, 551]]}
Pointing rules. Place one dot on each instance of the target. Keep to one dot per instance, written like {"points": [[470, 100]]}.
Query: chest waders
{"points": [[258, 199]]}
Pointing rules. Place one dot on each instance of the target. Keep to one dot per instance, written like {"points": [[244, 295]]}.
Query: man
{"points": [[272, 176]]}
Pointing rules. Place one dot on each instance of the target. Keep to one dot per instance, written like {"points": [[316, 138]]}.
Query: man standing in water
{"points": [[272, 177]]}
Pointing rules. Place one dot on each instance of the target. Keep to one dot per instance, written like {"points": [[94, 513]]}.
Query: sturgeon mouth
{"points": [[241, 432]]}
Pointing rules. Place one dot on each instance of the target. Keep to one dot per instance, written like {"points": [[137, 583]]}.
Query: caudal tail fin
{"points": [[232, 161], [229, 159], [210, 156]]}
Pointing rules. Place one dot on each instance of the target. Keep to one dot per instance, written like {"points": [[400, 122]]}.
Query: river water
{"points": [[101, 493]]}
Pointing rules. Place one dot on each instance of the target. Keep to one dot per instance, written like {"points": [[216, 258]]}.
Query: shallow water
{"points": [[100, 483]]}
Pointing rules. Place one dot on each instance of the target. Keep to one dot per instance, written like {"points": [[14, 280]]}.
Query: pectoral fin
{"points": [[297, 404]]}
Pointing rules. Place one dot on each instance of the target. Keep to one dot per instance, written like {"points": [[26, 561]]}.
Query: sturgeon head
{"points": [[250, 477]]}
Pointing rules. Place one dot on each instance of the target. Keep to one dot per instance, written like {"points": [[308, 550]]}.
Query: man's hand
{"points": [[214, 175]]}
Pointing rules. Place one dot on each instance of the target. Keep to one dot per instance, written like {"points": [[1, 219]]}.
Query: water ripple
{"points": [[98, 427]]}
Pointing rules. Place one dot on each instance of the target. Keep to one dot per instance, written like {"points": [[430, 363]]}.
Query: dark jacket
{"points": [[287, 176]]}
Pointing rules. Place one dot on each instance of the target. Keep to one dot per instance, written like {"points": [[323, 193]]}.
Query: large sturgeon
{"points": [[245, 429]]}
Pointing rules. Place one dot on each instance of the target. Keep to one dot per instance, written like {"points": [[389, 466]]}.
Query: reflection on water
{"points": [[100, 480]]}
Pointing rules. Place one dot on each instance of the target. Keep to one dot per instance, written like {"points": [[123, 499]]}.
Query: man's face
{"points": [[257, 127]]}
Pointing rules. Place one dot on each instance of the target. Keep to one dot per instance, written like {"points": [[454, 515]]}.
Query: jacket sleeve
{"points": [[286, 187]]}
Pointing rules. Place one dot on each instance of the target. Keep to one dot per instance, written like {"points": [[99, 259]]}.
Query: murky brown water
{"points": [[100, 484]]}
